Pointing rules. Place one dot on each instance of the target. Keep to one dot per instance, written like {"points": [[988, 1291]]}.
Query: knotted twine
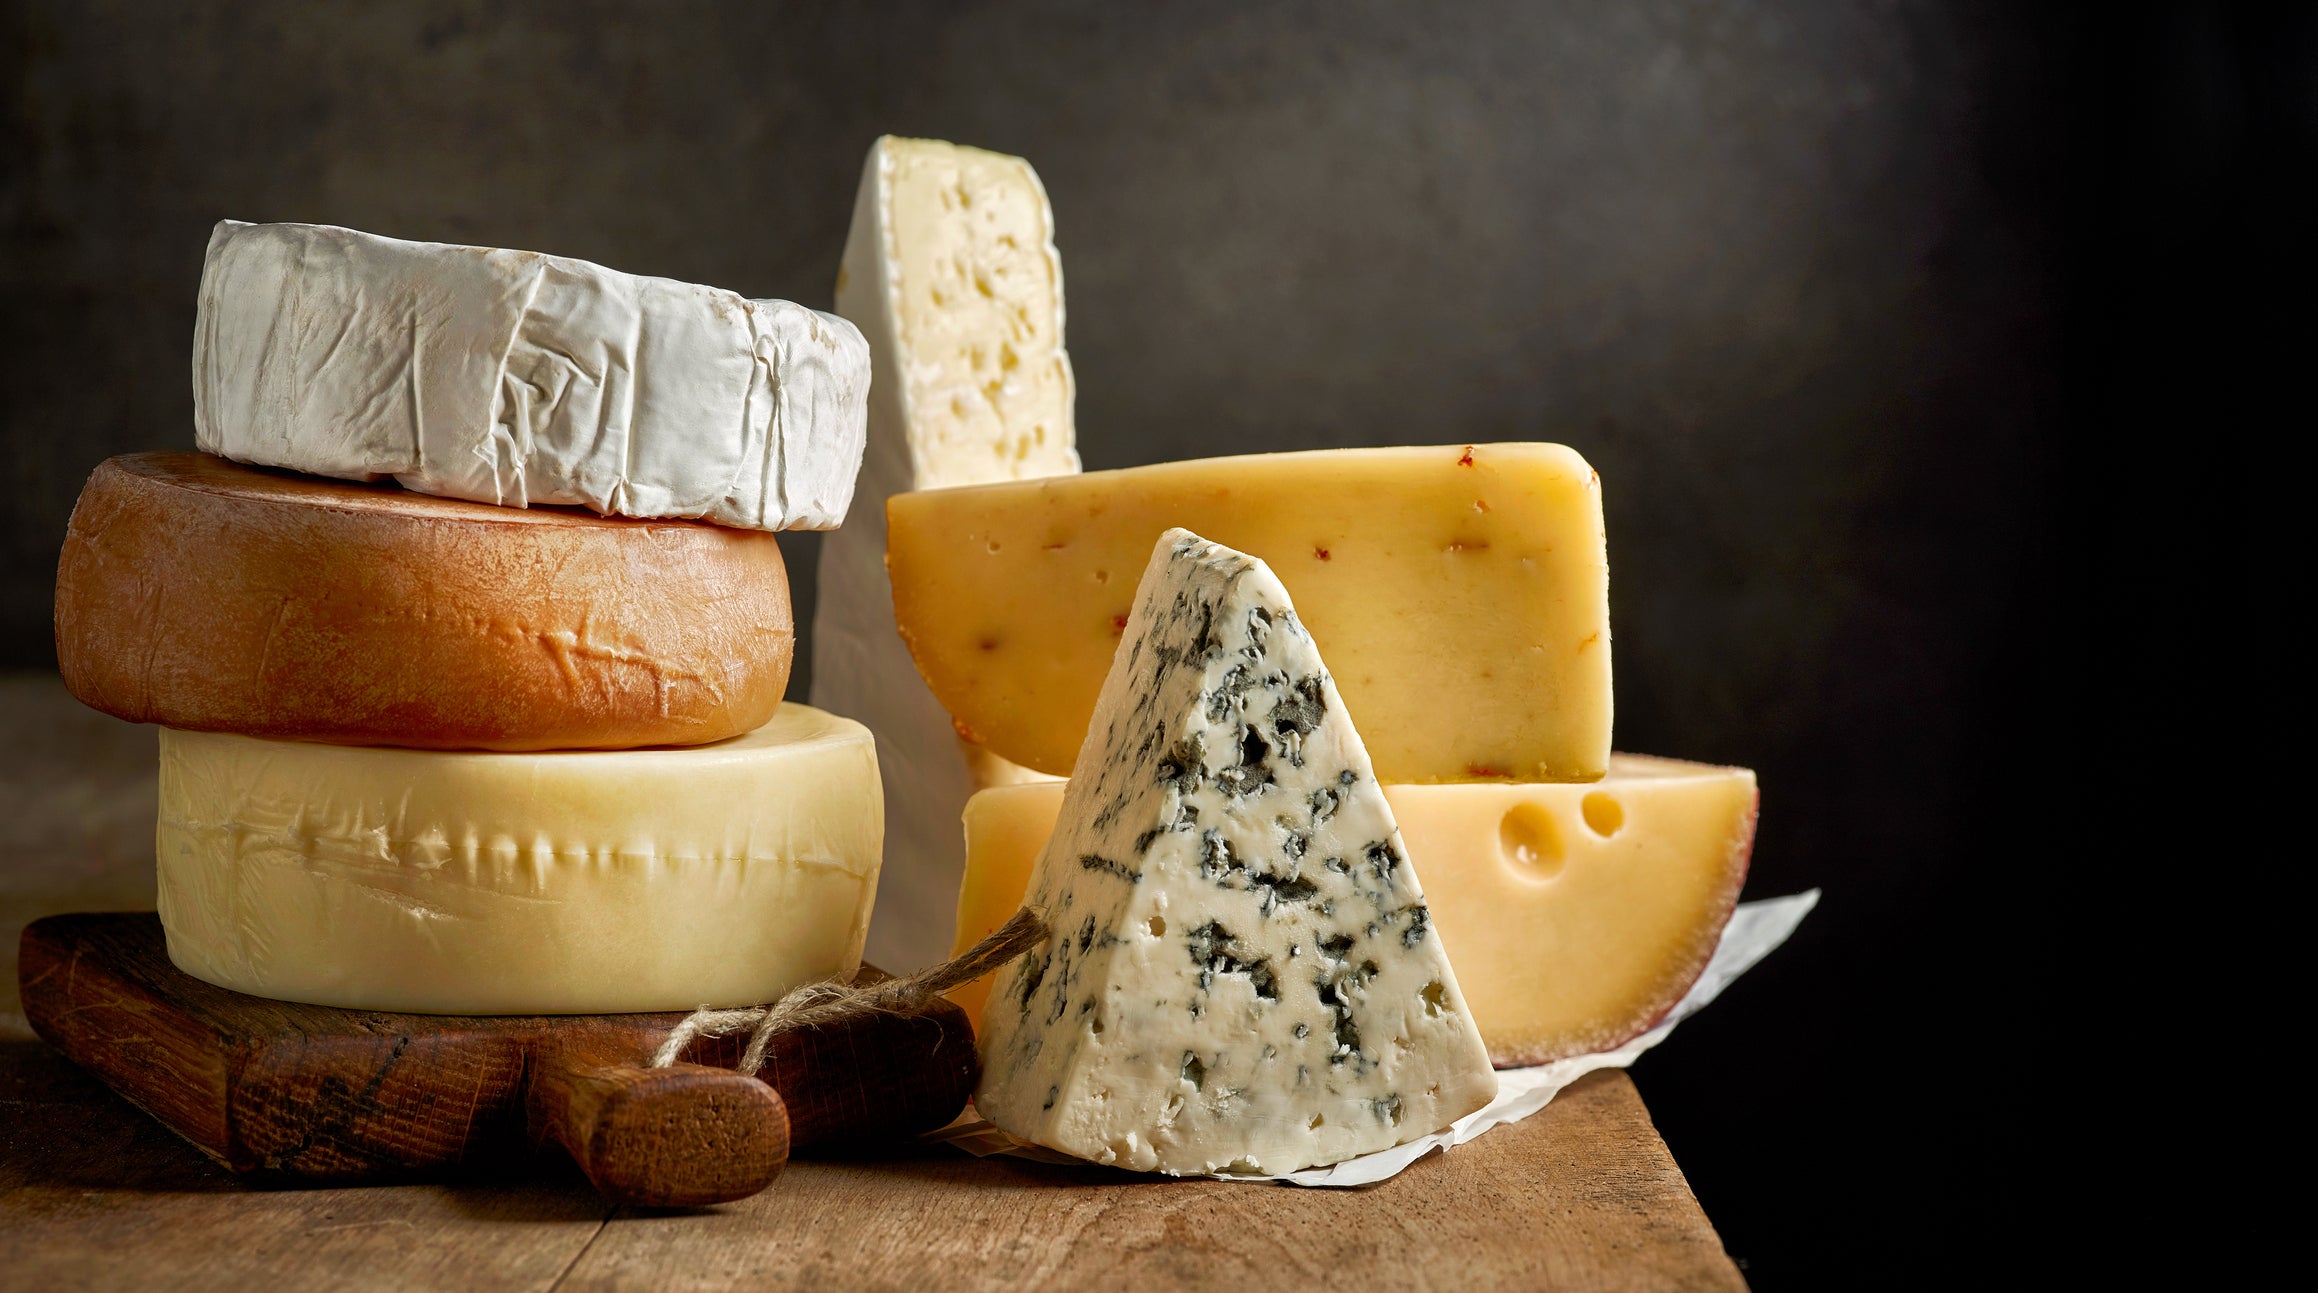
{"points": [[830, 1001]]}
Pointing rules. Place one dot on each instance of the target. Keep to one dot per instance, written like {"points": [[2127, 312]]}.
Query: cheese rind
{"points": [[514, 378], [950, 271], [198, 593], [1579, 914], [1243, 975], [483, 883], [1586, 911], [1460, 595]]}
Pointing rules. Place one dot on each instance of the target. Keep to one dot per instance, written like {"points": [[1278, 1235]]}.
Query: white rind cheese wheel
{"points": [[486, 883], [515, 378]]}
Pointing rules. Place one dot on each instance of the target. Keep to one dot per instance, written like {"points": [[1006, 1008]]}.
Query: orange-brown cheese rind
{"points": [[197, 593]]}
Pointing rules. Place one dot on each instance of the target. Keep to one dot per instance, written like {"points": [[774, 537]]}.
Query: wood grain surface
{"points": [[329, 1094], [1582, 1196], [95, 1195], [680, 1136]]}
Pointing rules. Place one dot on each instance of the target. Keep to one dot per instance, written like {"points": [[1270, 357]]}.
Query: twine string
{"points": [[830, 1002]]}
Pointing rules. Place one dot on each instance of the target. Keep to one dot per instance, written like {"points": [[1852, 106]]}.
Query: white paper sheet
{"points": [[1754, 930]]}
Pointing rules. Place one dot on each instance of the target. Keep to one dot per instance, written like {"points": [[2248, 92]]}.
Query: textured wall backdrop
{"points": [[1780, 271]]}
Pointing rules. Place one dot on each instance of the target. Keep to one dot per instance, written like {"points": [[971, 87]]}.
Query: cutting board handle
{"points": [[681, 1136]]}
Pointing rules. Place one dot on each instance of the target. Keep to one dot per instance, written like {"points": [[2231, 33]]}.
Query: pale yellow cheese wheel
{"points": [[501, 883]]}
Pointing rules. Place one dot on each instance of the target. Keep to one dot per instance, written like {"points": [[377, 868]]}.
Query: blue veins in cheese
{"points": [[1243, 976]]}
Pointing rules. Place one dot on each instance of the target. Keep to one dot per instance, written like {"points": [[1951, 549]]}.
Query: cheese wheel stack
{"points": [[430, 745]]}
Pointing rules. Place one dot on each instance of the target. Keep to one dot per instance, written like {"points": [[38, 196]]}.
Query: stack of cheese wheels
{"points": [[468, 634]]}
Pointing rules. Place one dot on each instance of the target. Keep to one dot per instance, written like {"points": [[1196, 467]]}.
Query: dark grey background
{"points": [[1849, 304]]}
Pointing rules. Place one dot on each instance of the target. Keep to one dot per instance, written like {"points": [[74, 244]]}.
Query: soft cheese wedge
{"points": [[1243, 975], [514, 378], [1579, 913], [485, 883], [951, 272], [1460, 595]]}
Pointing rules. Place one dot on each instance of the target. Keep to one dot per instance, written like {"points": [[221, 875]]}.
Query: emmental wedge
{"points": [[1579, 914], [1460, 594]]}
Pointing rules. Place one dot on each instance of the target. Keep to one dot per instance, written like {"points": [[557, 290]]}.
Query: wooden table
{"points": [[95, 1195]]}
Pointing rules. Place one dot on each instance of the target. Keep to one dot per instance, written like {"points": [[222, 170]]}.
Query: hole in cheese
{"points": [[1603, 814], [1156, 926], [1531, 841]]}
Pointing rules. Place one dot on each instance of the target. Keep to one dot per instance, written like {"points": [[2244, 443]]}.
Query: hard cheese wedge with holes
{"points": [[1242, 975], [1578, 914], [1460, 595], [573, 882], [951, 273]]}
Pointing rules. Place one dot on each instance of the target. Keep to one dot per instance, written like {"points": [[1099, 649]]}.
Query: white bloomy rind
{"points": [[515, 378], [1243, 975]]}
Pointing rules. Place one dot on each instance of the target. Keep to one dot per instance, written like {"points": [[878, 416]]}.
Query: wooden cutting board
{"points": [[276, 1089]]}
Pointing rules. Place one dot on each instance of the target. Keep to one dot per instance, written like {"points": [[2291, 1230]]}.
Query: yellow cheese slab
{"points": [[1460, 595], [488, 883], [1575, 915]]}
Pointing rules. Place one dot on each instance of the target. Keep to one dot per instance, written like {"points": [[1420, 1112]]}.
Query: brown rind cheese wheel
{"points": [[198, 593]]}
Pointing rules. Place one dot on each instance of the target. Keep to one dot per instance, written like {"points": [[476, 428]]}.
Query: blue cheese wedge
{"points": [[1243, 976]]}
